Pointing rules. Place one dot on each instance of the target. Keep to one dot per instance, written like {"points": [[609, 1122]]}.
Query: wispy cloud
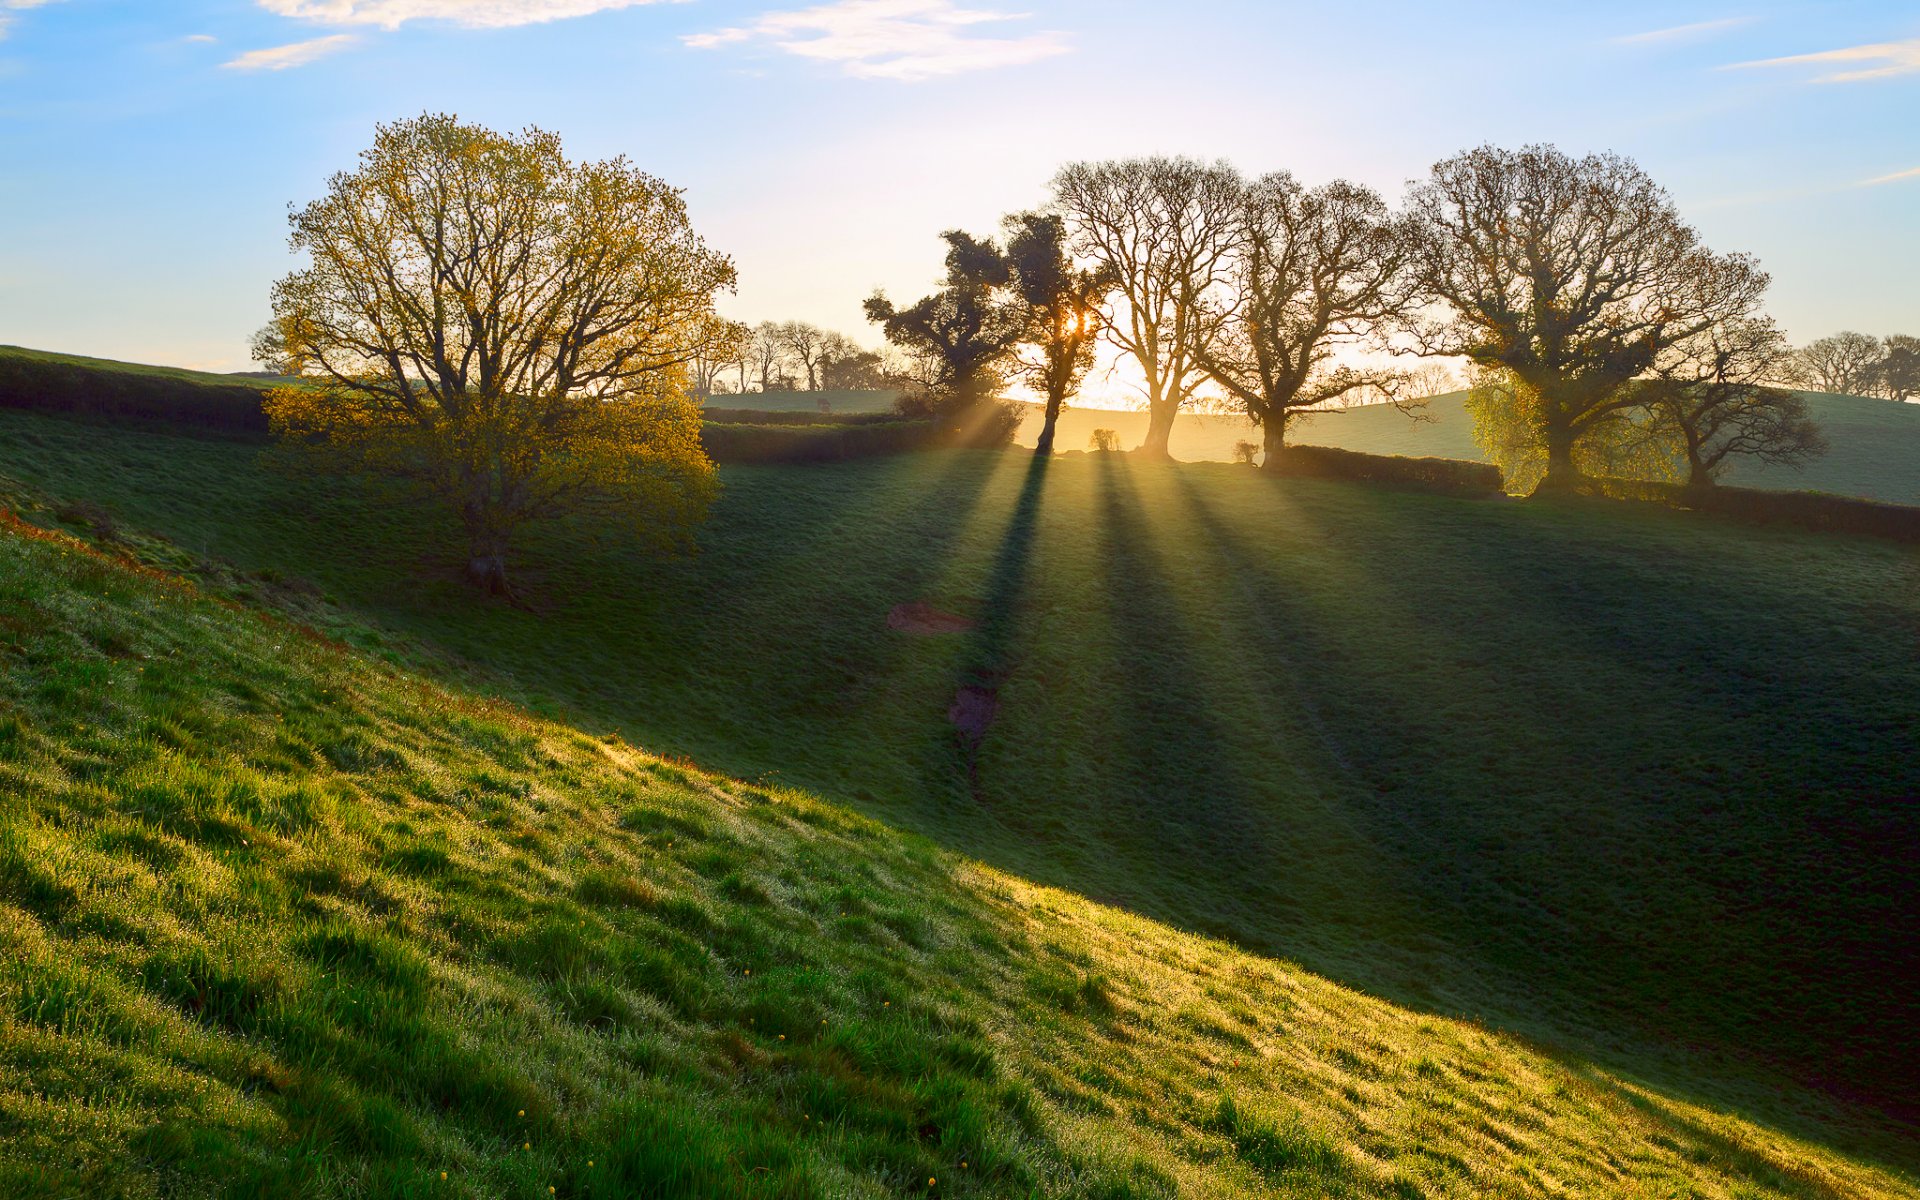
{"points": [[10, 7], [1896, 177], [1882, 60], [298, 54], [905, 40], [480, 14], [200, 39], [1683, 33]]}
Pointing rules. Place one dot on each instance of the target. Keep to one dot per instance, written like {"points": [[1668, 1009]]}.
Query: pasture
{"points": [[1623, 780]]}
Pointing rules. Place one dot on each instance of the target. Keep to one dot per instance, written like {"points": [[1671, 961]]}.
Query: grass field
{"points": [[1875, 444], [1632, 783], [282, 920]]}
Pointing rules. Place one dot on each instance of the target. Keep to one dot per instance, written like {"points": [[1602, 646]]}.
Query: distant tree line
{"points": [[1857, 364], [1599, 328], [795, 356]]}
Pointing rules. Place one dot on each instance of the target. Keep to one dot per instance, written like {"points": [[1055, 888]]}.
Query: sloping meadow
{"points": [[276, 919]]}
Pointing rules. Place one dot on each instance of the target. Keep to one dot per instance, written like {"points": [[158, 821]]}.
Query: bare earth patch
{"points": [[925, 620]]}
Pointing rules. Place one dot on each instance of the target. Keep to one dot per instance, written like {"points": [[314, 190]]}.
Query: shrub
{"points": [[1805, 510], [756, 416], [805, 443], [1104, 441], [1245, 452], [1433, 474]]}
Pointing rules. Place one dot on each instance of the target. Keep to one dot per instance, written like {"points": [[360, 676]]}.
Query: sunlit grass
{"points": [[279, 920], [1626, 782]]}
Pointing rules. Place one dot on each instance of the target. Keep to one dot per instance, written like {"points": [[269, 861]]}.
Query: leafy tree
{"points": [[1568, 275], [1062, 305], [1843, 364], [1313, 270], [1623, 443], [1164, 228], [506, 326], [1713, 392], [767, 356], [847, 367], [965, 333], [1897, 374]]}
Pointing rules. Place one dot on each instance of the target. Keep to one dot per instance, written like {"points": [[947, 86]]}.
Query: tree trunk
{"points": [[1044, 446], [1160, 415], [1273, 438], [1699, 474], [488, 571], [1562, 475]]}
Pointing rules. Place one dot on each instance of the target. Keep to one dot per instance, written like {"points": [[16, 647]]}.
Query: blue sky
{"points": [[149, 151]]}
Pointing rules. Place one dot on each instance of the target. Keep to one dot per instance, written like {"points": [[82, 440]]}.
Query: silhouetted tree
{"points": [[508, 327], [965, 333], [804, 345], [846, 367], [1313, 270], [1714, 392], [1062, 310], [1570, 275], [1164, 228], [766, 356], [1842, 364], [1897, 374]]}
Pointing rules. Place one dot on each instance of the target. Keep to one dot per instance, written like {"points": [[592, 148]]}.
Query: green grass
{"points": [[277, 919], [1875, 444], [116, 367]]}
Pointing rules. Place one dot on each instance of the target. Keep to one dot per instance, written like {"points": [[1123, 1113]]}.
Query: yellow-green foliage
{"points": [[277, 920]]}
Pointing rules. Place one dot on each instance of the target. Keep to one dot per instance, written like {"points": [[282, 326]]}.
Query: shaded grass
{"points": [[488, 955], [1632, 784]]}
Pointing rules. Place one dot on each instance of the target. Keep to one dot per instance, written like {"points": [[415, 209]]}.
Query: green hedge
{"points": [[120, 392], [1433, 474], [815, 443], [758, 416], [1804, 510]]}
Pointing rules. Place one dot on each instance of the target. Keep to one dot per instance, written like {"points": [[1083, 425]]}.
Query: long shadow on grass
{"points": [[1597, 900]]}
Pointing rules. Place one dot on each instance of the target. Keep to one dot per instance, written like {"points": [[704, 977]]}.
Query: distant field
{"points": [[1875, 443], [1636, 783]]}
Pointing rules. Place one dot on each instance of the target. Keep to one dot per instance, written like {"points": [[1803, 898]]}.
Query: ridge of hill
{"points": [[280, 918]]}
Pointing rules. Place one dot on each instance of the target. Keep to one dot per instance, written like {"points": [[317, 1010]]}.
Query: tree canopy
{"points": [[509, 327], [1570, 276]]}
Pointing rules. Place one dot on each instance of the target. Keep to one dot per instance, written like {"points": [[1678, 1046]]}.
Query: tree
{"points": [[1062, 310], [1714, 392], [846, 367], [1842, 364], [1897, 375], [804, 344], [508, 327], [767, 356], [965, 332], [1313, 270], [1163, 226], [1570, 276], [1625, 443], [707, 365]]}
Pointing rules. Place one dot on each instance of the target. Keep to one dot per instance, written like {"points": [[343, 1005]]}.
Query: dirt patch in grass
{"points": [[924, 620]]}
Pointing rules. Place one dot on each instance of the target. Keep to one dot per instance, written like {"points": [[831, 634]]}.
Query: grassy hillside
{"points": [[1625, 780], [281, 920], [1875, 444]]}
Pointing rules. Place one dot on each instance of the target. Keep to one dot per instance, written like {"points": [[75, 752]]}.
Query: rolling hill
{"points": [[283, 919]]}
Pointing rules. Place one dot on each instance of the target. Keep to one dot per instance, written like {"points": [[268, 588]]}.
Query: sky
{"points": [[150, 149]]}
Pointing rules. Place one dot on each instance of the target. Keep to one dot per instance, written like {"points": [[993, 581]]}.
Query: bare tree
{"points": [[1897, 375], [1164, 228], [1842, 364], [1314, 270], [1570, 275], [1712, 392], [806, 345], [766, 356], [706, 367], [1062, 303]]}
